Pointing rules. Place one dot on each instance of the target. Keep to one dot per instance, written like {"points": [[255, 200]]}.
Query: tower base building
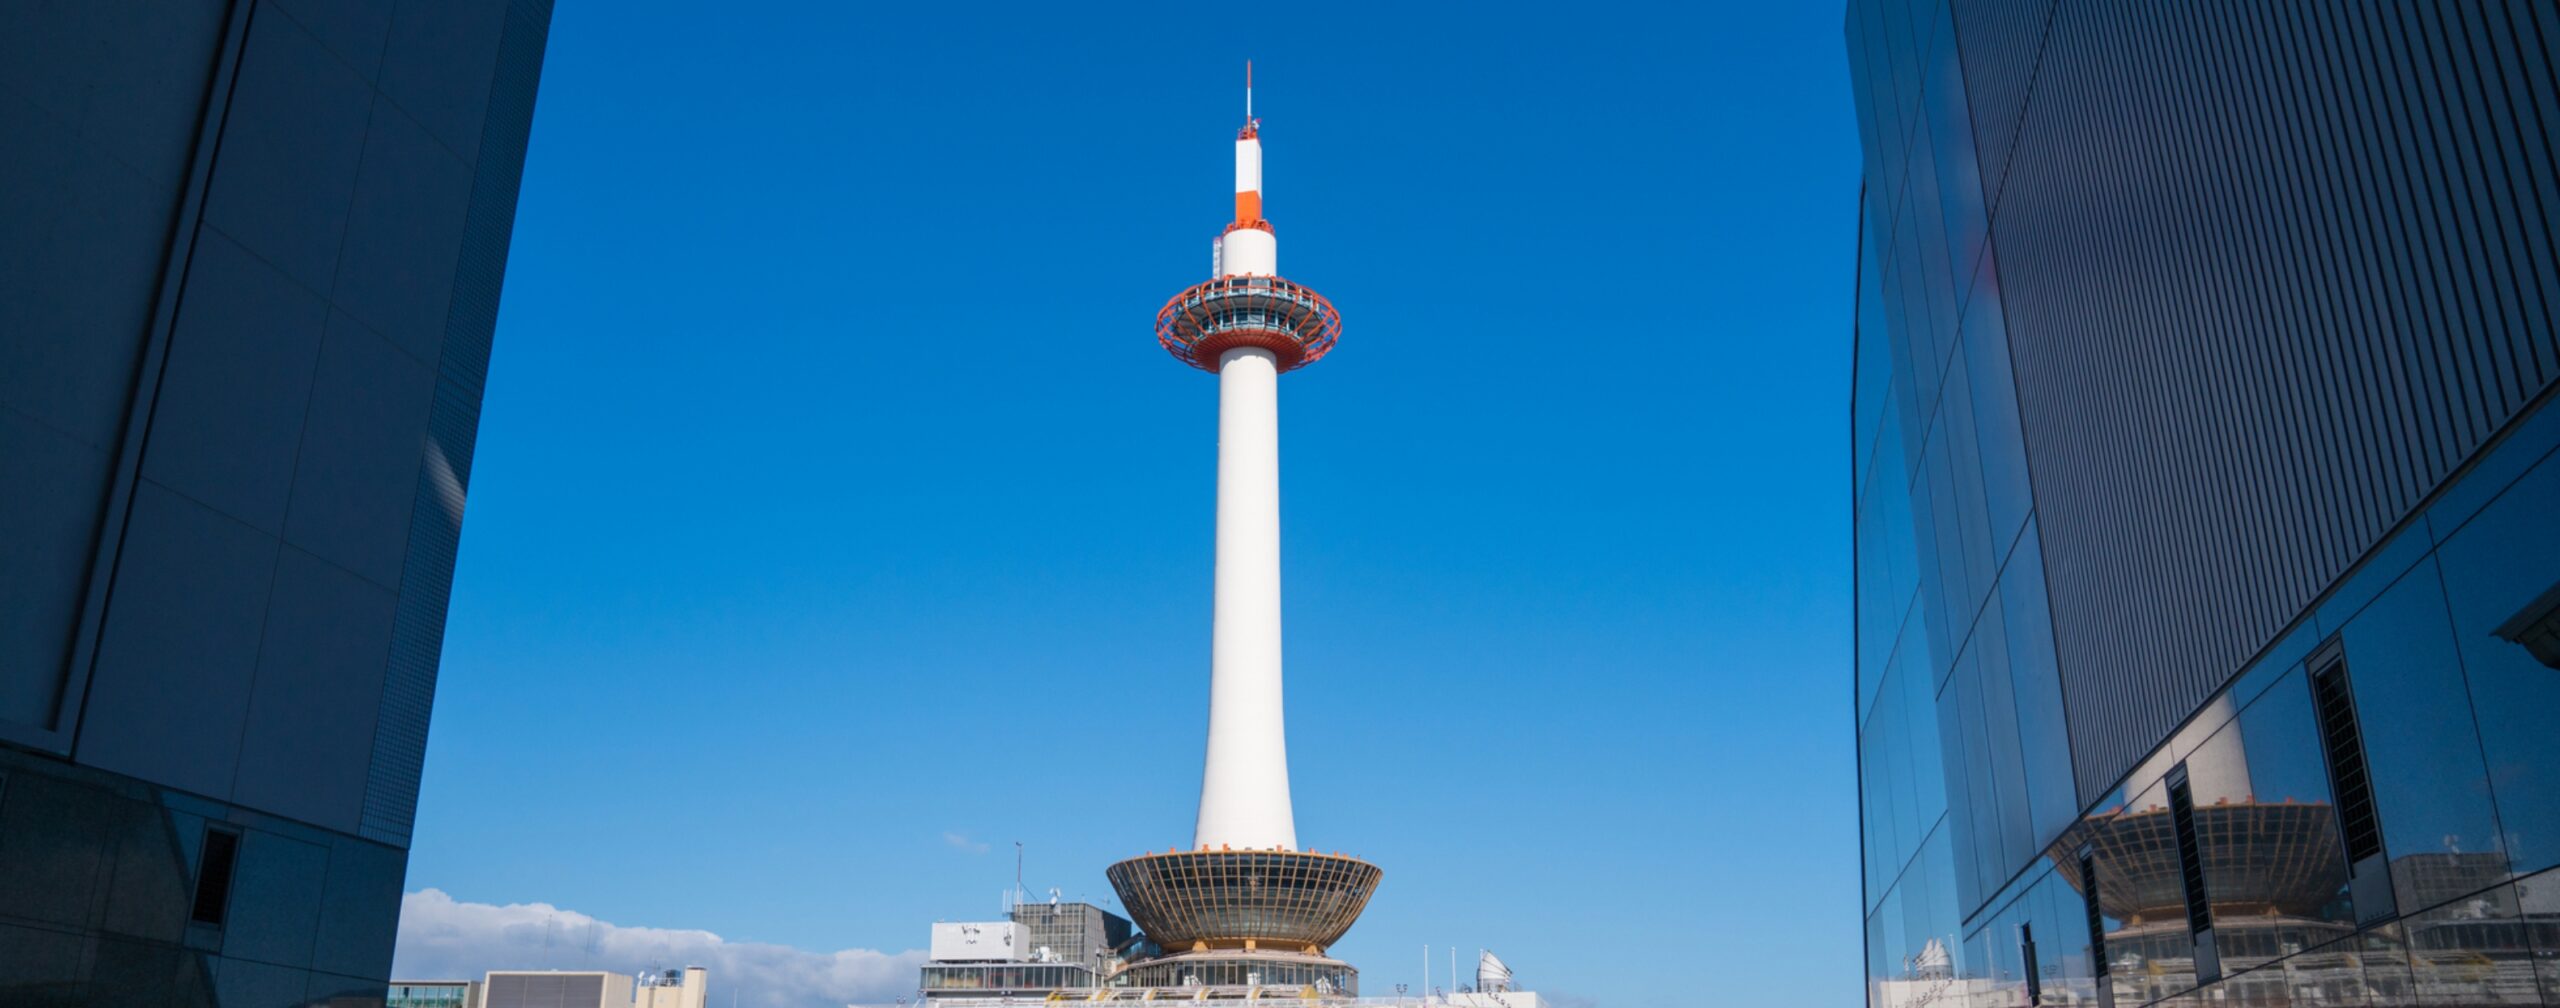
{"points": [[1052, 951], [1230, 918]]}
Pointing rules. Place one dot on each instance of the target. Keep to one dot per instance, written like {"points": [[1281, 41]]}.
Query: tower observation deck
{"points": [[1244, 905]]}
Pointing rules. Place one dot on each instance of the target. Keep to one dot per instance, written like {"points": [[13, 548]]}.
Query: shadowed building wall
{"points": [[250, 257]]}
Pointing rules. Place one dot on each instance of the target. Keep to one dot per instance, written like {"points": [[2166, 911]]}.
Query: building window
{"points": [[2097, 922], [2342, 744], [213, 875], [2034, 972], [2182, 822]]}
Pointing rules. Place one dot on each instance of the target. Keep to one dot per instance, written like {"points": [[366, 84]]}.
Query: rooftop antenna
{"points": [[1018, 891]]}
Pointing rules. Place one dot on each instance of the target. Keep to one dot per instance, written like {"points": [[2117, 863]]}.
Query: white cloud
{"points": [[441, 937], [962, 841]]}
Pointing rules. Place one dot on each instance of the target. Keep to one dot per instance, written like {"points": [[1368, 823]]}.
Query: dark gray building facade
{"points": [[250, 253], [2207, 511]]}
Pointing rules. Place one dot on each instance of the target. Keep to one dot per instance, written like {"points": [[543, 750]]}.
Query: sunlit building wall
{"points": [[2207, 517], [689, 987], [555, 989], [1040, 949]]}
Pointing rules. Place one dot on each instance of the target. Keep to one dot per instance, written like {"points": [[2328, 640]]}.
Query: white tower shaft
{"points": [[1244, 793]]}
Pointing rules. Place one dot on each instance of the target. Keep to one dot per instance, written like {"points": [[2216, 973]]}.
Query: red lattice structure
{"points": [[1295, 323]]}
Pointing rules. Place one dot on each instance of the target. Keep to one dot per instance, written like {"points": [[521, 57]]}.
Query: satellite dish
{"points": [[1491, 974]]}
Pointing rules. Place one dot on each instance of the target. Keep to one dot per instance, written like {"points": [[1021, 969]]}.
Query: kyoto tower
{"points": [[1245, 907]]}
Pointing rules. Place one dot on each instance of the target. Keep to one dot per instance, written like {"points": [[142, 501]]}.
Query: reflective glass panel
{"points": [[1974, 970], [2000, 728], [1995, 405], [2332, 974], [2502, 581], [2292, 835], [2149, 952], [1987, 796], [1888, 568], [2384, 960], [1949, 120], [2036, 682], [1878, 975], [2538, 902], [2429, 786], [1922, 774], [2260, 989], [2062, 944], [1922, 970], [2008, 974], [1884, 762], [1961, 463], [1874, 374], [1957, 727], [2473, 951]]}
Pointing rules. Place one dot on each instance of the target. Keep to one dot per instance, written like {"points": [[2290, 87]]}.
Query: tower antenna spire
{"points": [[1248, 90]]}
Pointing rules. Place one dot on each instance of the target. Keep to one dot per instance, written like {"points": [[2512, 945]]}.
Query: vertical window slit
{"points": [[213, 876], [2035, 973], [2343, 745], [2097, 921], [2182, 819]]}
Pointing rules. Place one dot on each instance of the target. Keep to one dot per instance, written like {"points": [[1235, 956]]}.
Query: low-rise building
{"points": [[684, 988], [555, 989], [433, 994], [1042, 949]]}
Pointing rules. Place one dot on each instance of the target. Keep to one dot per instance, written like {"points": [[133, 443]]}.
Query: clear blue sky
{"points": [[833, 500]]}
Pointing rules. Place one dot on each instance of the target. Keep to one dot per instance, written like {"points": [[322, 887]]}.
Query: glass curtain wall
{"points": [[1965, 769], [2368, 813]]}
